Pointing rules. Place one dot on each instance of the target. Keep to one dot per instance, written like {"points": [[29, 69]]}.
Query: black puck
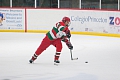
{"points": [[86, 62]]}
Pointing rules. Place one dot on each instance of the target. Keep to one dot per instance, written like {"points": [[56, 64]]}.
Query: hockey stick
{"points": [[72, 57], [71, 54]]}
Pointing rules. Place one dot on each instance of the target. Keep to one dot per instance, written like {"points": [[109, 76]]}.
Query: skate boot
{"points": [[34, 57], [56, 62], [31, 61]]}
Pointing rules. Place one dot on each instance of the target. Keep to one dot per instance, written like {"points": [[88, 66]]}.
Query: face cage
{"points": [[68, 24]]}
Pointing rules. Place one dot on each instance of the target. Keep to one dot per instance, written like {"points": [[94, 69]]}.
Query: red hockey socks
{"points": [[34, 57], [57, 55]]}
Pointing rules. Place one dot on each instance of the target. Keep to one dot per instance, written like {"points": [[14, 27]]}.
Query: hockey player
{"points": [[59, 32]]}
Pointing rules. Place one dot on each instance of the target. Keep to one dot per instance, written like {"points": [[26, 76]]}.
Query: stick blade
{"points": [[74, 59]]}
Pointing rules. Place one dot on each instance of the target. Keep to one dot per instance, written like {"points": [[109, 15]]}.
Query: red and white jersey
{"points": [[58, 31]]}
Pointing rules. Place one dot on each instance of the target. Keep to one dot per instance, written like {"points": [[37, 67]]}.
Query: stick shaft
{"points": [[71, 54]]}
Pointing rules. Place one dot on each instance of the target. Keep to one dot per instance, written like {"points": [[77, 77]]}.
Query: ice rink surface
{"points": [[102, 54]]}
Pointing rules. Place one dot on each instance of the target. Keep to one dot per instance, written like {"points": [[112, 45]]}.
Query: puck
{"points": [[86, 62]]}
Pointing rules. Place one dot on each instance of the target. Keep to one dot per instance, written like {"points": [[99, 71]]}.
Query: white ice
{"points": [[102, 54]]}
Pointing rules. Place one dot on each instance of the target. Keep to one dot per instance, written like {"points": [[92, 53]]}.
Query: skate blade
{"points": [[56, 64]]}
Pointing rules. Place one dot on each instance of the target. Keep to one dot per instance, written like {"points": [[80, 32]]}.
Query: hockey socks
{"points": [[56, 59]]}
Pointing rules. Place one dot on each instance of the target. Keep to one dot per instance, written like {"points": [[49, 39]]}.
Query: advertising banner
{"points": [[95, 21], [30, 20], [81, 20], [12, 19], [44, 19]]}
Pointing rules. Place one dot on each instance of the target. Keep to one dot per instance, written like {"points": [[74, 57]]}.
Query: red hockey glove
{"points": [[64, 39], [69, 45], [68, 34]]}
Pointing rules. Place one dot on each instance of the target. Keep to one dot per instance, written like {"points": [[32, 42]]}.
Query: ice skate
{"points": [[34, 57], [31, 61], [56, 62]]}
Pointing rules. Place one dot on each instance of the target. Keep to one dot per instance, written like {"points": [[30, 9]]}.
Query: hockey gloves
{"points": [[68, 34], [69, 45]]}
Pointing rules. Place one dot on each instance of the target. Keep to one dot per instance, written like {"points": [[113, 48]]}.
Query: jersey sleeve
{"points": [[58, 31], [61, 30]]}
